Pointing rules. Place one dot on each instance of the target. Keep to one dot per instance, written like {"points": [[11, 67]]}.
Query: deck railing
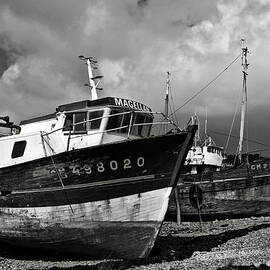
{"points": [[166, 123]]}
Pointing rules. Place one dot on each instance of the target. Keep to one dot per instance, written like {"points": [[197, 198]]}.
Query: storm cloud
{"points": [[136, 43]]}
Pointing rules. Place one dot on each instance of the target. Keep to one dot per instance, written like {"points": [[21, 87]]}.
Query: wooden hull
{"points": [[104, 201], [234, 194], [121, 227]]}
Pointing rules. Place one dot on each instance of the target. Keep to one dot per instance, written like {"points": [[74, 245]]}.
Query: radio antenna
{"points": [[93, 80]]}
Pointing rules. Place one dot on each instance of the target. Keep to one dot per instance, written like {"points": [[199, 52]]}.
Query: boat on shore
{"points": [[231, 193], [204, 156], [90, 178], [239, 190]]}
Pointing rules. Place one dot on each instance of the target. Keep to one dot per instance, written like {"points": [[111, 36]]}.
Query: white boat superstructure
{"points": [[206, 156], [75, 126]]}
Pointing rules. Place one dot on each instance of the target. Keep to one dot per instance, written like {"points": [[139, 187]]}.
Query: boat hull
{"points": [[237, 194], [104, 201], [121, 227]]}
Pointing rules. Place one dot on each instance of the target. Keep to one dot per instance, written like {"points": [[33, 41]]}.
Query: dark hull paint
{"points": [[37, 183], [100, 240], [235, 193], [38, 211], [86, 193]]}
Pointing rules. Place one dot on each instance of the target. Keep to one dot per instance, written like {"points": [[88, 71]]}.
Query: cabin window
{"points": [[139, 128], [77, 122], [95, 124], [119, 122], [115, 121], [125, 123], [18, 149], [80, 122], [68, 126], [146, 128]]}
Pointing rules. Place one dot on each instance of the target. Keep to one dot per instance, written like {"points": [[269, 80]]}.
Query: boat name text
{"points": [[131, 104]]}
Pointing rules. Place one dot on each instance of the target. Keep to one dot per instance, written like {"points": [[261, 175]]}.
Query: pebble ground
{"points": [[227, 244]]}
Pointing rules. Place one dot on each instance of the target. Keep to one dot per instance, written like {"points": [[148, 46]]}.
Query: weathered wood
{"points": [[108, 200], [97, 229], [238, 192]]}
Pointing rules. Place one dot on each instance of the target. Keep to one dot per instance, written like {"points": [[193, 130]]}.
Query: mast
{"points": [[205, 126], [195, 121], [166, 111], [244, 98], [93, 80]]}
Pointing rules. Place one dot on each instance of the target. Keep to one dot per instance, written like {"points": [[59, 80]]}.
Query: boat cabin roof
{"points": [[87, 104]]}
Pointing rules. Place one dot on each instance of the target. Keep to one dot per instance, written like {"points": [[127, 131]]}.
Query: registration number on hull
{"points": [[98, 167]]}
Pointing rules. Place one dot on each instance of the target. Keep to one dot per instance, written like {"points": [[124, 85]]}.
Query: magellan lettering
{"points": [[131, 104], [125, 103], [118, 101]]}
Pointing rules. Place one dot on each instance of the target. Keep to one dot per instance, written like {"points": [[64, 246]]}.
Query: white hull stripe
{"points": [[149, 206]]}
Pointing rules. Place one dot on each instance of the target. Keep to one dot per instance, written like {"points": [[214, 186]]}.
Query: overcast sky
{"points": [[136, 42]]}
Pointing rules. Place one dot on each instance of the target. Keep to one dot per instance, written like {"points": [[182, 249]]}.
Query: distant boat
{"points": [[203, 156], [90, 178], [241, 190]]}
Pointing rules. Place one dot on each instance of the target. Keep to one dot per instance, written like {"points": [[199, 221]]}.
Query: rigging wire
{"points": [[173, 105], [232, 124], [208, 84], [247, 131], [173, 116], [259, 150], [237, 137]]}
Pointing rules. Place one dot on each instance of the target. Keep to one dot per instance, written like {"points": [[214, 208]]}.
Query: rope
{"points": [[62, 183], [259, 150], [58, 174], [197, 200], [227, 143], [173, 106], [199, 209], [208, 84], [237, 137], [173, 116]]}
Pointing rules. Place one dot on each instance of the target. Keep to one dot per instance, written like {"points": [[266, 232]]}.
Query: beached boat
{"points": [[239, 190], [203, 156], [90, 178]]}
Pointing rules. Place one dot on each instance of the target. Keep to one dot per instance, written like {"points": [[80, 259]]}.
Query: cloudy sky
{"points": [[136, 42]]}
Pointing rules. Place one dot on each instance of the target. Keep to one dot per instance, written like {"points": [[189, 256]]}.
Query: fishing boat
{"points": [[204, 155], [90, 178], [239, 190]]}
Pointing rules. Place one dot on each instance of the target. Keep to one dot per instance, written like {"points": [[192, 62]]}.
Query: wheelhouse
{"points": [[113, 118], [77, 125]]}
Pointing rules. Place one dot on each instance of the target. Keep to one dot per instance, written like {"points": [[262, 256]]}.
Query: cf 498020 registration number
{"points": [[99, 167]]}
